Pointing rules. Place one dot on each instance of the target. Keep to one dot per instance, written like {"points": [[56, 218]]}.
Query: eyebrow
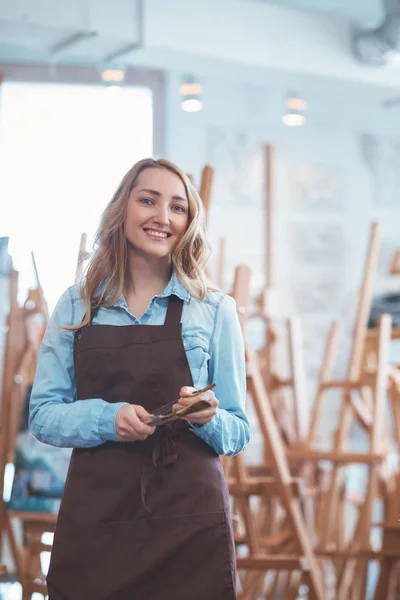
{"points": [[155, 193]]}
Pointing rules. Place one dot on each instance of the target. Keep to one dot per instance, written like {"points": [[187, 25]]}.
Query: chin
{"points": [[152, 252]]}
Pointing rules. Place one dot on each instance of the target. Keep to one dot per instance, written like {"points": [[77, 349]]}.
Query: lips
{"points": [[157, 234]]}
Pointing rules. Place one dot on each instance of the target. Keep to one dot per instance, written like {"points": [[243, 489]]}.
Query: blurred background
{"points": [[89, 87]]}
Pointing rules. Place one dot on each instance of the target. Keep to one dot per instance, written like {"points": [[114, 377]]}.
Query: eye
{"points": [[146, 201], [178, 208]]}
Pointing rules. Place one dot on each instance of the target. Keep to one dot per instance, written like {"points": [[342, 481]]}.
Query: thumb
{"points": [[141, 412]]}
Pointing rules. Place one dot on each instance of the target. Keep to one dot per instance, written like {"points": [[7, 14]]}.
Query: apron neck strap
{"points": [[174, 312]]}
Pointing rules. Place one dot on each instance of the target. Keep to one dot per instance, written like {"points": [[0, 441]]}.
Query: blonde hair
{"points": [[109, 261]]}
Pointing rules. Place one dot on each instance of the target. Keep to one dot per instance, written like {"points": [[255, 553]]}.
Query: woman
{"points": [[145, 511]]}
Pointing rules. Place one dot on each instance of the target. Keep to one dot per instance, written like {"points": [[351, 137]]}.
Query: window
{"points": [[63, 150]]}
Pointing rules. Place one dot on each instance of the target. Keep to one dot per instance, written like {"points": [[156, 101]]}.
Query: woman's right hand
{"points": [[129, 424]]}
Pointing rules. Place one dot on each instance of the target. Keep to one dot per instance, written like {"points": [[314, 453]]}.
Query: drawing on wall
{"points": [[318, 293], [381, 156], [238, 160], [239, 167], [317, 244], [314, 333], [312, 187]]}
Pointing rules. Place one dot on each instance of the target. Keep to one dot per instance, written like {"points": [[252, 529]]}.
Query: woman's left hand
{"points": [[203, 416]]}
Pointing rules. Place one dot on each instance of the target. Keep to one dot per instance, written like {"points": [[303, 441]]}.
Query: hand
{"points": [[203, 416], [129, 424]]}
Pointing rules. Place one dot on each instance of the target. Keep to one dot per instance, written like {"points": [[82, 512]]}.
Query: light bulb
{"points": [[191, 104], [113, 75], [295, 103], [292, 119]]}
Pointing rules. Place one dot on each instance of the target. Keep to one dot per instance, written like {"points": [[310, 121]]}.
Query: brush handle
{"points": [[165, 414]]}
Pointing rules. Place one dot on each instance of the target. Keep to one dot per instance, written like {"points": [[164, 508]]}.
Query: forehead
{"points": [[161, 180]]}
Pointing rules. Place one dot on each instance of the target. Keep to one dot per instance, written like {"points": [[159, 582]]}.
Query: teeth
{"points": [[157, 233]]}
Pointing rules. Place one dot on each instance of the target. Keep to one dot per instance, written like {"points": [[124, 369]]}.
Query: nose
{"points": [[162, 215]]}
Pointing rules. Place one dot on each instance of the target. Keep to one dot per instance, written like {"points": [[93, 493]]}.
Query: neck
{"points": [[147, 276]]}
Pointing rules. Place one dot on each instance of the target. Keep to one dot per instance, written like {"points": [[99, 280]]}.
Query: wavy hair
{"points": [[105, 275]]}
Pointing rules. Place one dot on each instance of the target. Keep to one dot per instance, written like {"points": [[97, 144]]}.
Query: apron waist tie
{"points": [[164, 454]]}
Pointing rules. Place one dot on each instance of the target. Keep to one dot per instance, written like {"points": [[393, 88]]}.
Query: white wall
{"points": [[329, 185]]}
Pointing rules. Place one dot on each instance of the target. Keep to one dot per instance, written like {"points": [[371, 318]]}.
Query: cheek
{"points": [[132, 213], [130, 228], [182, 226], [133, 218]]}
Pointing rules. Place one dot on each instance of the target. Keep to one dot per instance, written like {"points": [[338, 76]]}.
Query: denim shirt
{"points": [[214, 347]]}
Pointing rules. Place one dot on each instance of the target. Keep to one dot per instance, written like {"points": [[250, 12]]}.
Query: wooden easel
{"points": [[205, 187], [292, 429], [389, 576], [22, 346], [388, 584], [351, 382], [291, 419], [298, 559], [206, 181], [353, 576], [83, 256], [220, 263], [363, 400], [287, 393], [395, 264]]}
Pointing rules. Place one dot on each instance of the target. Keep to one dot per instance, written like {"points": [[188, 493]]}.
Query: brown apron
{"points": [[146, 520]]}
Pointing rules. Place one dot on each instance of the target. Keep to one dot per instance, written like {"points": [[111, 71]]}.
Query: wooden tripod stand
{"points": [[292, 419], [22, 346], [363, 394], [299, 560]]}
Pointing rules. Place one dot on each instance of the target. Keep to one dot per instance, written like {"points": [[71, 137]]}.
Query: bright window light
{"points": [[63, 151]]}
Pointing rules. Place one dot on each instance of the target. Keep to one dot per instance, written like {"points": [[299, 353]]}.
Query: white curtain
{"points": [[63, 151]]}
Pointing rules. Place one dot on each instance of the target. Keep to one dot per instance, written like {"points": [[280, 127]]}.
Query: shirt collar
{"points": [[174, 288]]}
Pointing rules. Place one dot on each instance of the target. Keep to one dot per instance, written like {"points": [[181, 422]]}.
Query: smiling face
{"points": [[157, 213]]}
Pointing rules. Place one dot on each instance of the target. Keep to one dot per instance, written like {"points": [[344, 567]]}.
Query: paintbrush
{"points": [[165, 414]]}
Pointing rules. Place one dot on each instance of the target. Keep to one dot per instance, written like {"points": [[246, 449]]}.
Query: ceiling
{"points": [[365, 12], [236, 39]]}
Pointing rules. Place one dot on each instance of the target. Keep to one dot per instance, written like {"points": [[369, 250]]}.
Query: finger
{"points": [[199, 419], [187, 391], [143, 429], [202, 414], [182, 405], [139, 420], [136, 426], [187, 401]]}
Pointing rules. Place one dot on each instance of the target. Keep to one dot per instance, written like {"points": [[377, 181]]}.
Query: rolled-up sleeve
{"points": [[228, 433], [56, 417]]}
